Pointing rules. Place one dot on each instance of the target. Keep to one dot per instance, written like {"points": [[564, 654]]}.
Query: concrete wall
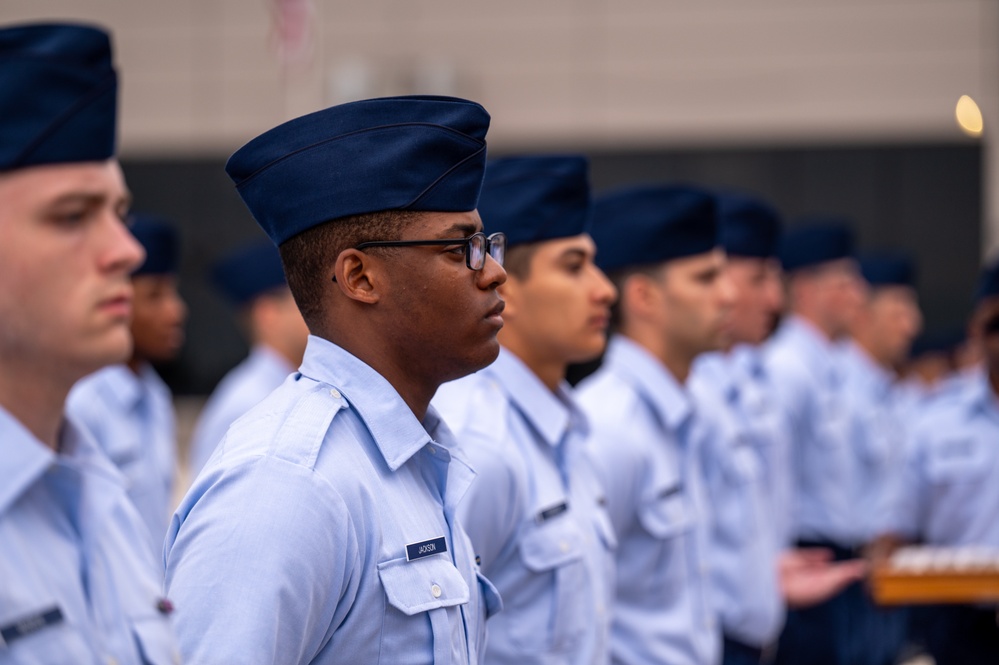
{"points": [[203, 76]]}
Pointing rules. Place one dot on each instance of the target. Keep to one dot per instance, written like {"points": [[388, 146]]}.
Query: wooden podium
{"points": [[935, 575]]}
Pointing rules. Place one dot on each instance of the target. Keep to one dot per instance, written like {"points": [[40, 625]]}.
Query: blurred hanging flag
{"points": [[291, 30]]}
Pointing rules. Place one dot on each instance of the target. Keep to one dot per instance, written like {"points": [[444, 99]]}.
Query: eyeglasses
{"points": [[475, 246]]}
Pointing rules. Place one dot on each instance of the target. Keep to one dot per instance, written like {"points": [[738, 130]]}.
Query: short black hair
{"points": [[308, 258]]}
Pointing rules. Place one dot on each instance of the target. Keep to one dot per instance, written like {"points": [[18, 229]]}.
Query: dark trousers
{"points": [[960, 634], [738, 653], [847, 629]]}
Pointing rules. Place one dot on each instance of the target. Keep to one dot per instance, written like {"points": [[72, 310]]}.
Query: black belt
{"points": [[736, 647], [839, 551]]}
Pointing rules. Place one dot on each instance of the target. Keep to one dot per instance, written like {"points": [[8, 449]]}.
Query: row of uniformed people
{"points": [[330, 523]]}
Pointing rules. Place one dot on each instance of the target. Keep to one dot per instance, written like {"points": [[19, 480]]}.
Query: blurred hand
{"points": [[810, 576]]}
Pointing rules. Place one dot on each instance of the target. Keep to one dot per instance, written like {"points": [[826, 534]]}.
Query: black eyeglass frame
{"points": [[497, 238]]}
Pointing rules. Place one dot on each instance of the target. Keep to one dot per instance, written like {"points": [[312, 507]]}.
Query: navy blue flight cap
{"points": [[536, 198], [414, 153], [816, 241], [649, 224], [888, 269], [249, 271], [988, 282], [162, 244], [748, 226], [59, 95]]}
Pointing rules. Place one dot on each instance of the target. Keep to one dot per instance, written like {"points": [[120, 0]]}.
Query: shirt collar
{"points": [[868, 372], [397, 433], [655, 383], [552, 414], [121, 383], [271, 360], [818, 348], [26, 459]]}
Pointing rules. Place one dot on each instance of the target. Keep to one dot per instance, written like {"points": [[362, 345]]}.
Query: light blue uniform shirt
{"points": [[643, 445], [755, 399], [292, 544], [77, 581], [131, 418], [805, 371], [949, 494], [744, 543], [877, 434], [534, 515], [242, 388]]}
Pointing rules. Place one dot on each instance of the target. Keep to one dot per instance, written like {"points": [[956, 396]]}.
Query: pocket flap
{"points": [[155, 641], [666, 516], [491, 596], [550, 544], [422, 585]]}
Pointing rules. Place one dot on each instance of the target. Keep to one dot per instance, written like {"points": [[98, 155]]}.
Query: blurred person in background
{"points": [[536, 513], [880, 338], [825, 292], [78, 583], [127, 408], [252, 278], [745, 452], [949, 491], [659, 245]]}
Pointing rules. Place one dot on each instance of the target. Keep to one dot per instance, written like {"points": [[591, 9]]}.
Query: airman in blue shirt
{"points": [[324, 529], [804, 362], [127, 408], [253, 280], [949, 493], [659, 245], [535, 513], [78, 583]]}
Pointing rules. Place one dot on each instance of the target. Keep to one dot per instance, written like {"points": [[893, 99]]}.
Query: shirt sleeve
{"points": [[492, 510], [262, 565]]}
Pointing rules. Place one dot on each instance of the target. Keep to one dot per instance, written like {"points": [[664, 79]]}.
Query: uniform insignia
{"points": [[30, 624], [549, 513], [670, 491], [425, 548]]}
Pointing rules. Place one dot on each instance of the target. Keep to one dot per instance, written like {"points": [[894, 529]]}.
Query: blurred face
{"points": [[836, 292], [758, 298], [696, 297], [559, 310], [436, 312], [278, 322], [158, 318], [892, 319], [65, 259]]}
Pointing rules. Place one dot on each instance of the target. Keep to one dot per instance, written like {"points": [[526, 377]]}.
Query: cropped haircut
{"points": [[619, 278], [309, 257]]}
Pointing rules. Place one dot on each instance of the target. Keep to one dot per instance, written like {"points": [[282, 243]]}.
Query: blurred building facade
{"points": [[837, 106]]}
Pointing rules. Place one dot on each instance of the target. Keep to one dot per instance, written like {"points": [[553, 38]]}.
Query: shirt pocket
{"points": [[553, 551], [154, 641], [41, 641], [956, 462], [668, 515], [431, 586]]}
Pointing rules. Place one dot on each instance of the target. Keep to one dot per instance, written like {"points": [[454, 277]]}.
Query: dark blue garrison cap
{"points": [[395, 153], [816, 241], [649, 224], [888, 269], [531, 199], [249, 271], [59, 95], [748, 226], [162, 244], [988, 282]]}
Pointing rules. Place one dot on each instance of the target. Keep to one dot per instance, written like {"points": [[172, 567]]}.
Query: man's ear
{"points": [[358, 275]]}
